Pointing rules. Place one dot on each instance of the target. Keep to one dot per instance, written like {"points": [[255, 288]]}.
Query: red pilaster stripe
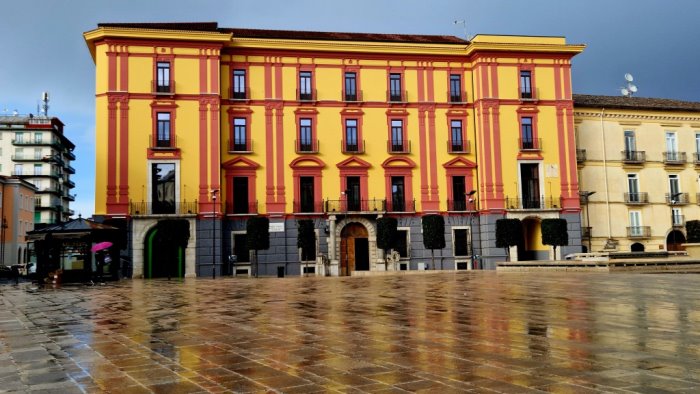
{"points": [[434, 196], [124, 154], [124, 72], [202, 74], [204, 194], [214, 150], [557, 82], [571, 164], [111, 71], [487, 162], [112, 153], [424, 186], [563, 162], [269, 155], [497, 159], [279, 148], [213, 74]]}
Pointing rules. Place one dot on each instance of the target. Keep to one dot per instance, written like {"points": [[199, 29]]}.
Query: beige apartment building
{"points": [[638, 166]]}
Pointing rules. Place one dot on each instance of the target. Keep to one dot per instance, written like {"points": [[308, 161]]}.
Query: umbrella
{"points": [[100, 246]]}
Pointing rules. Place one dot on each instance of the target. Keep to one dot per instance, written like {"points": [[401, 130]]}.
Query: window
{"points": [[163, 139], [397, 143], [401, 243], [305, 92], [163, 188], [309, 254], [636, 224], [697, 147], [37, 169], [163, 77], [38, 137], [455, 88], [37, 154], [395, 92], [633, 188], [306, 194], [305, 136], [677, 216], [350, 86], [461, 242], [19, 153], [459, 194], [239, 85], [19, 138], [525, 84], [240, 135], [240, 247], [671, 147], [351, 143], [353, 193], [630, 145], [674, 186], [398, 196], [240, 195], [527, 138], [457, 136]]}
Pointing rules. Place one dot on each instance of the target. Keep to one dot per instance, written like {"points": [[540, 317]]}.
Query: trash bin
{"points": [[280, 271]]}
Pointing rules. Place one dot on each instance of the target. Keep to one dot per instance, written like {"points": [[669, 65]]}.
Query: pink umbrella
{"points": [[100, 246]]}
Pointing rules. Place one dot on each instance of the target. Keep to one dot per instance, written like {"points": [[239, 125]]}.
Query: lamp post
{"points": [[471, 226], [586, 195], [213, 261], [672, 200]]}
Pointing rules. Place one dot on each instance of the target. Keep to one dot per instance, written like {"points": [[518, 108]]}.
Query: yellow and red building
{"points": [[213, 125]]}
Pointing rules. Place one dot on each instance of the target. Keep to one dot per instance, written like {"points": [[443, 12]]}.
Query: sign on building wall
{"points": [[276, 227]]}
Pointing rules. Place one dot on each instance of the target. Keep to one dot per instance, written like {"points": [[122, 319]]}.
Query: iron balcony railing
{"points": [[241, 208], [458, 146], [639, 232], [398, 146], [306, 146], [354, 205], [400, 206], [533, 203], [238, 94], [580, 155], [396, 96], [307, 206], [460, 206], [357, 147], [352, 96], [306, 95], [240, 146], [529, 95], [530, 144], [457, 97], [677, 198], [144, 208], [633, 156], [163, 144], [674, 157], [54, 142], [163, 87], [636, 198]]}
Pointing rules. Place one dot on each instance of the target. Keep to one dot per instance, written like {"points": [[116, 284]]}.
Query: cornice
{"points": [[515, 47], [640, 117]]}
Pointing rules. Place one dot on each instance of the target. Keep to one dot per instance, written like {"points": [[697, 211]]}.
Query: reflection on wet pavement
{"points": [[439, 332]]}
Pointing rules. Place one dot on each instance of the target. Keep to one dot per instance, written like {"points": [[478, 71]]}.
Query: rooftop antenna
{"points": [[45, 100], [463, 22], [631, 88]]}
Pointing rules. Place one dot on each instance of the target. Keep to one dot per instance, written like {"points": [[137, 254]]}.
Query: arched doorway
{"points": [[164, 249], [674, 240], [532, 248], [637, 247], [354, 249]]}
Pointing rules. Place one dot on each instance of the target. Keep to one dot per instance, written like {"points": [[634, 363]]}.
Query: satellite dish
{"points": [[625, 92], [632, 88], [629, 77]]}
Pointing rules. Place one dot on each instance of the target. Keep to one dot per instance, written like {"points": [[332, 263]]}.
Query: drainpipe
{"points": [[605, 171]]}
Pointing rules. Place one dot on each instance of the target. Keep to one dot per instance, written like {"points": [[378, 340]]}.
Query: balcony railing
{"points": [[633, 156], [69, 169], [580, 155], [70, 155], [352, 205], [396, 96], [678, 199], [54, 142], [636, 198], [457, 97], [459, 206], [163, 208], [458, 147], [306, 146], [398, 146], [240, 146], [533, 203], [357, 147], [531, 95], [400, 206], [530, 144], [163, 144], [639, 232], [352, 96], [249, 208], [163, 87], [237, 94], [306, 95], [674, 157], [30, 174], [307, 207]]}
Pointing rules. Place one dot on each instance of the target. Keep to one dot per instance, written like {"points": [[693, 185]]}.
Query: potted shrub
{"points": [[692, 229]]}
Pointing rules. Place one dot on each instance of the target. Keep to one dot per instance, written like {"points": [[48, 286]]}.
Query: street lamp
{"points": [[672, 201], [471, 226], [213, 262], [586, 195]]}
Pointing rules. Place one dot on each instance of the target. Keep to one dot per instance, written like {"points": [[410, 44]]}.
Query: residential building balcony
{"points": [[677, 199], [163, 87], [37, 174], [458, 147], [69, 169], [372, 206], [352, 97], [237, 95], [633, 156], [241, 208], [69, 197], [240, 146], [163, 144], [357, 147], [530, 144], [533, 203], [70, 184], [305, 95], [398, 146], [307, 207], [580, 155], [457, 97], [69, 155], [696, 159], [674, 158], [531, 95], [163, 208], [639, 232], [460, 206], [306, 146], [396, 96], [400, 206], [637, 198], [52, 142], [25, 158]]}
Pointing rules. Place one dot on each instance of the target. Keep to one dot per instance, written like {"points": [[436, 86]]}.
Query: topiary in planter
{"points": [[509, 232], [433, 234], [386, 233], [692, 228], [258, 236], [554, 233]]}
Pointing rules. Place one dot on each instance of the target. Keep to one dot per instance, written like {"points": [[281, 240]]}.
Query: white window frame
{"points": [[469, 242], [408, 241], [674, 178], [318, 237], [638, 216], [149, 180]]}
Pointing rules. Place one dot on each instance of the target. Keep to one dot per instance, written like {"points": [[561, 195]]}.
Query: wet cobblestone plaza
{"points": [[437, 332]]}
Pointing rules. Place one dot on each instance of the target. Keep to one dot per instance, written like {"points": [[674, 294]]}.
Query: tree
{"points": [[554, 233], [386, 234], [433, 234], [692, 228], [258, 236], [509, 232], [306, 239]]}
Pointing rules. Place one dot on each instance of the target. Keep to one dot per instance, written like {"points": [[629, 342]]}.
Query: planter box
{"points": [[693, 250]]}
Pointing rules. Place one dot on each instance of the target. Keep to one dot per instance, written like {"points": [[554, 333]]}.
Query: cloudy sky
{"points": [[42, 46]]}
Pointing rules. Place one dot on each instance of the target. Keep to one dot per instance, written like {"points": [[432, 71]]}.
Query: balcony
{"points": [[163, 208], [639, 232], [633, 156], [400, 206], [458, 147], [306, 95], [396, 96], [163, 87], [238, 95], [37, 174], [674, 158], [25, 158], [69, 169], [637, 198], [163, 144], [531, 95], [69, 155], [457, 97], [53, 142], [240, 146], [306, 146], [397, 147], [244, 208], [580, 155], [676, 199], [351, 97], [70, 197], [533, 203], [372, 206], [678, 220], [460, 206], [307, 207], [530, 144], [70, 184], [357, 147]]}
